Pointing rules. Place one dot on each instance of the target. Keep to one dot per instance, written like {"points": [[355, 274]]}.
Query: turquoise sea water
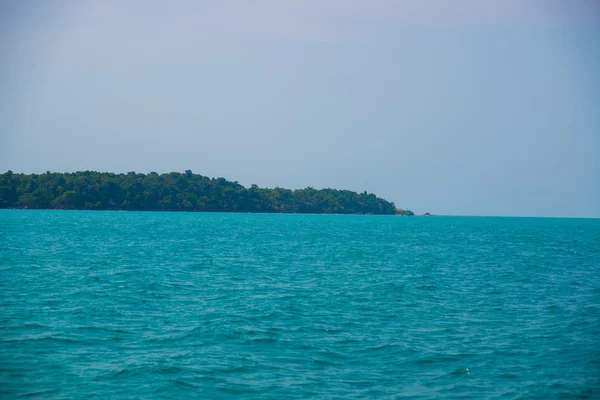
{"points": [[174, 305]]}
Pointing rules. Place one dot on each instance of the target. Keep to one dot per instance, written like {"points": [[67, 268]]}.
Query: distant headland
{"points": [[174, 191], [404, 213]]}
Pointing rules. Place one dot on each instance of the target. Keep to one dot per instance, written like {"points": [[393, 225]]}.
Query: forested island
{"points": [[174, 191]]}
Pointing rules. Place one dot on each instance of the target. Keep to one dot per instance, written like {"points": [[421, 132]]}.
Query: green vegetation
{"points": [[404, 213], [174, 191]]}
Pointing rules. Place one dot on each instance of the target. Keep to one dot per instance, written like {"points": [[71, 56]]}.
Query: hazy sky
{"points": [[452, 107]]}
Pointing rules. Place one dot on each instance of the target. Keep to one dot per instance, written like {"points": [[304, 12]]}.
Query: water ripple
{"points": [[175, 305]]}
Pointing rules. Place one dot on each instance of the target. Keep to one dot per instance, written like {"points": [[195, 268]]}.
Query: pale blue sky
{"points": [[456, 107]]}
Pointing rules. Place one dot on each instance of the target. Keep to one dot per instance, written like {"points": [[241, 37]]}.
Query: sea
{"points": [[158, 305]]}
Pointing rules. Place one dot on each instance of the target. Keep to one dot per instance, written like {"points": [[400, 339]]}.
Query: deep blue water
{"points": [[174, 305]]}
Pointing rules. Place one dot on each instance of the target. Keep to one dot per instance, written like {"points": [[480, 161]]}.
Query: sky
{"points": [[461, 107]]}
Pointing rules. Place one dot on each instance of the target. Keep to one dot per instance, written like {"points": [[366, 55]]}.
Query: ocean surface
{"points": [[179, 305]]}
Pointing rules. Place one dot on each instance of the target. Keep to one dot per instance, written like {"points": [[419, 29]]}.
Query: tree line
{"points": [[174, 191]]}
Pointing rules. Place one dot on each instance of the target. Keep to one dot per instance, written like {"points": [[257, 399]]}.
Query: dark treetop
{"points": [[174, 191]]}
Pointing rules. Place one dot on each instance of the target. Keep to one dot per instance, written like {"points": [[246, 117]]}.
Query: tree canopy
{"points": [[174, 191]]}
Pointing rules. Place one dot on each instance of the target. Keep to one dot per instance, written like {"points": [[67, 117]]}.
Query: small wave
{"points": [[267, 340], [508, 375], [347, 342], [185, 383], [44, 337], [102, 329], [379, 347], [123, 372], [318, 361], [168, 369], [461, 371], [234, 369], [424, 361], [38, 393], [427, 287], [34, 325], [305, 346]]}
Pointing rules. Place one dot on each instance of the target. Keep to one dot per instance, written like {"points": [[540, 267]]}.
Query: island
{"points": [[174, 191]]}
